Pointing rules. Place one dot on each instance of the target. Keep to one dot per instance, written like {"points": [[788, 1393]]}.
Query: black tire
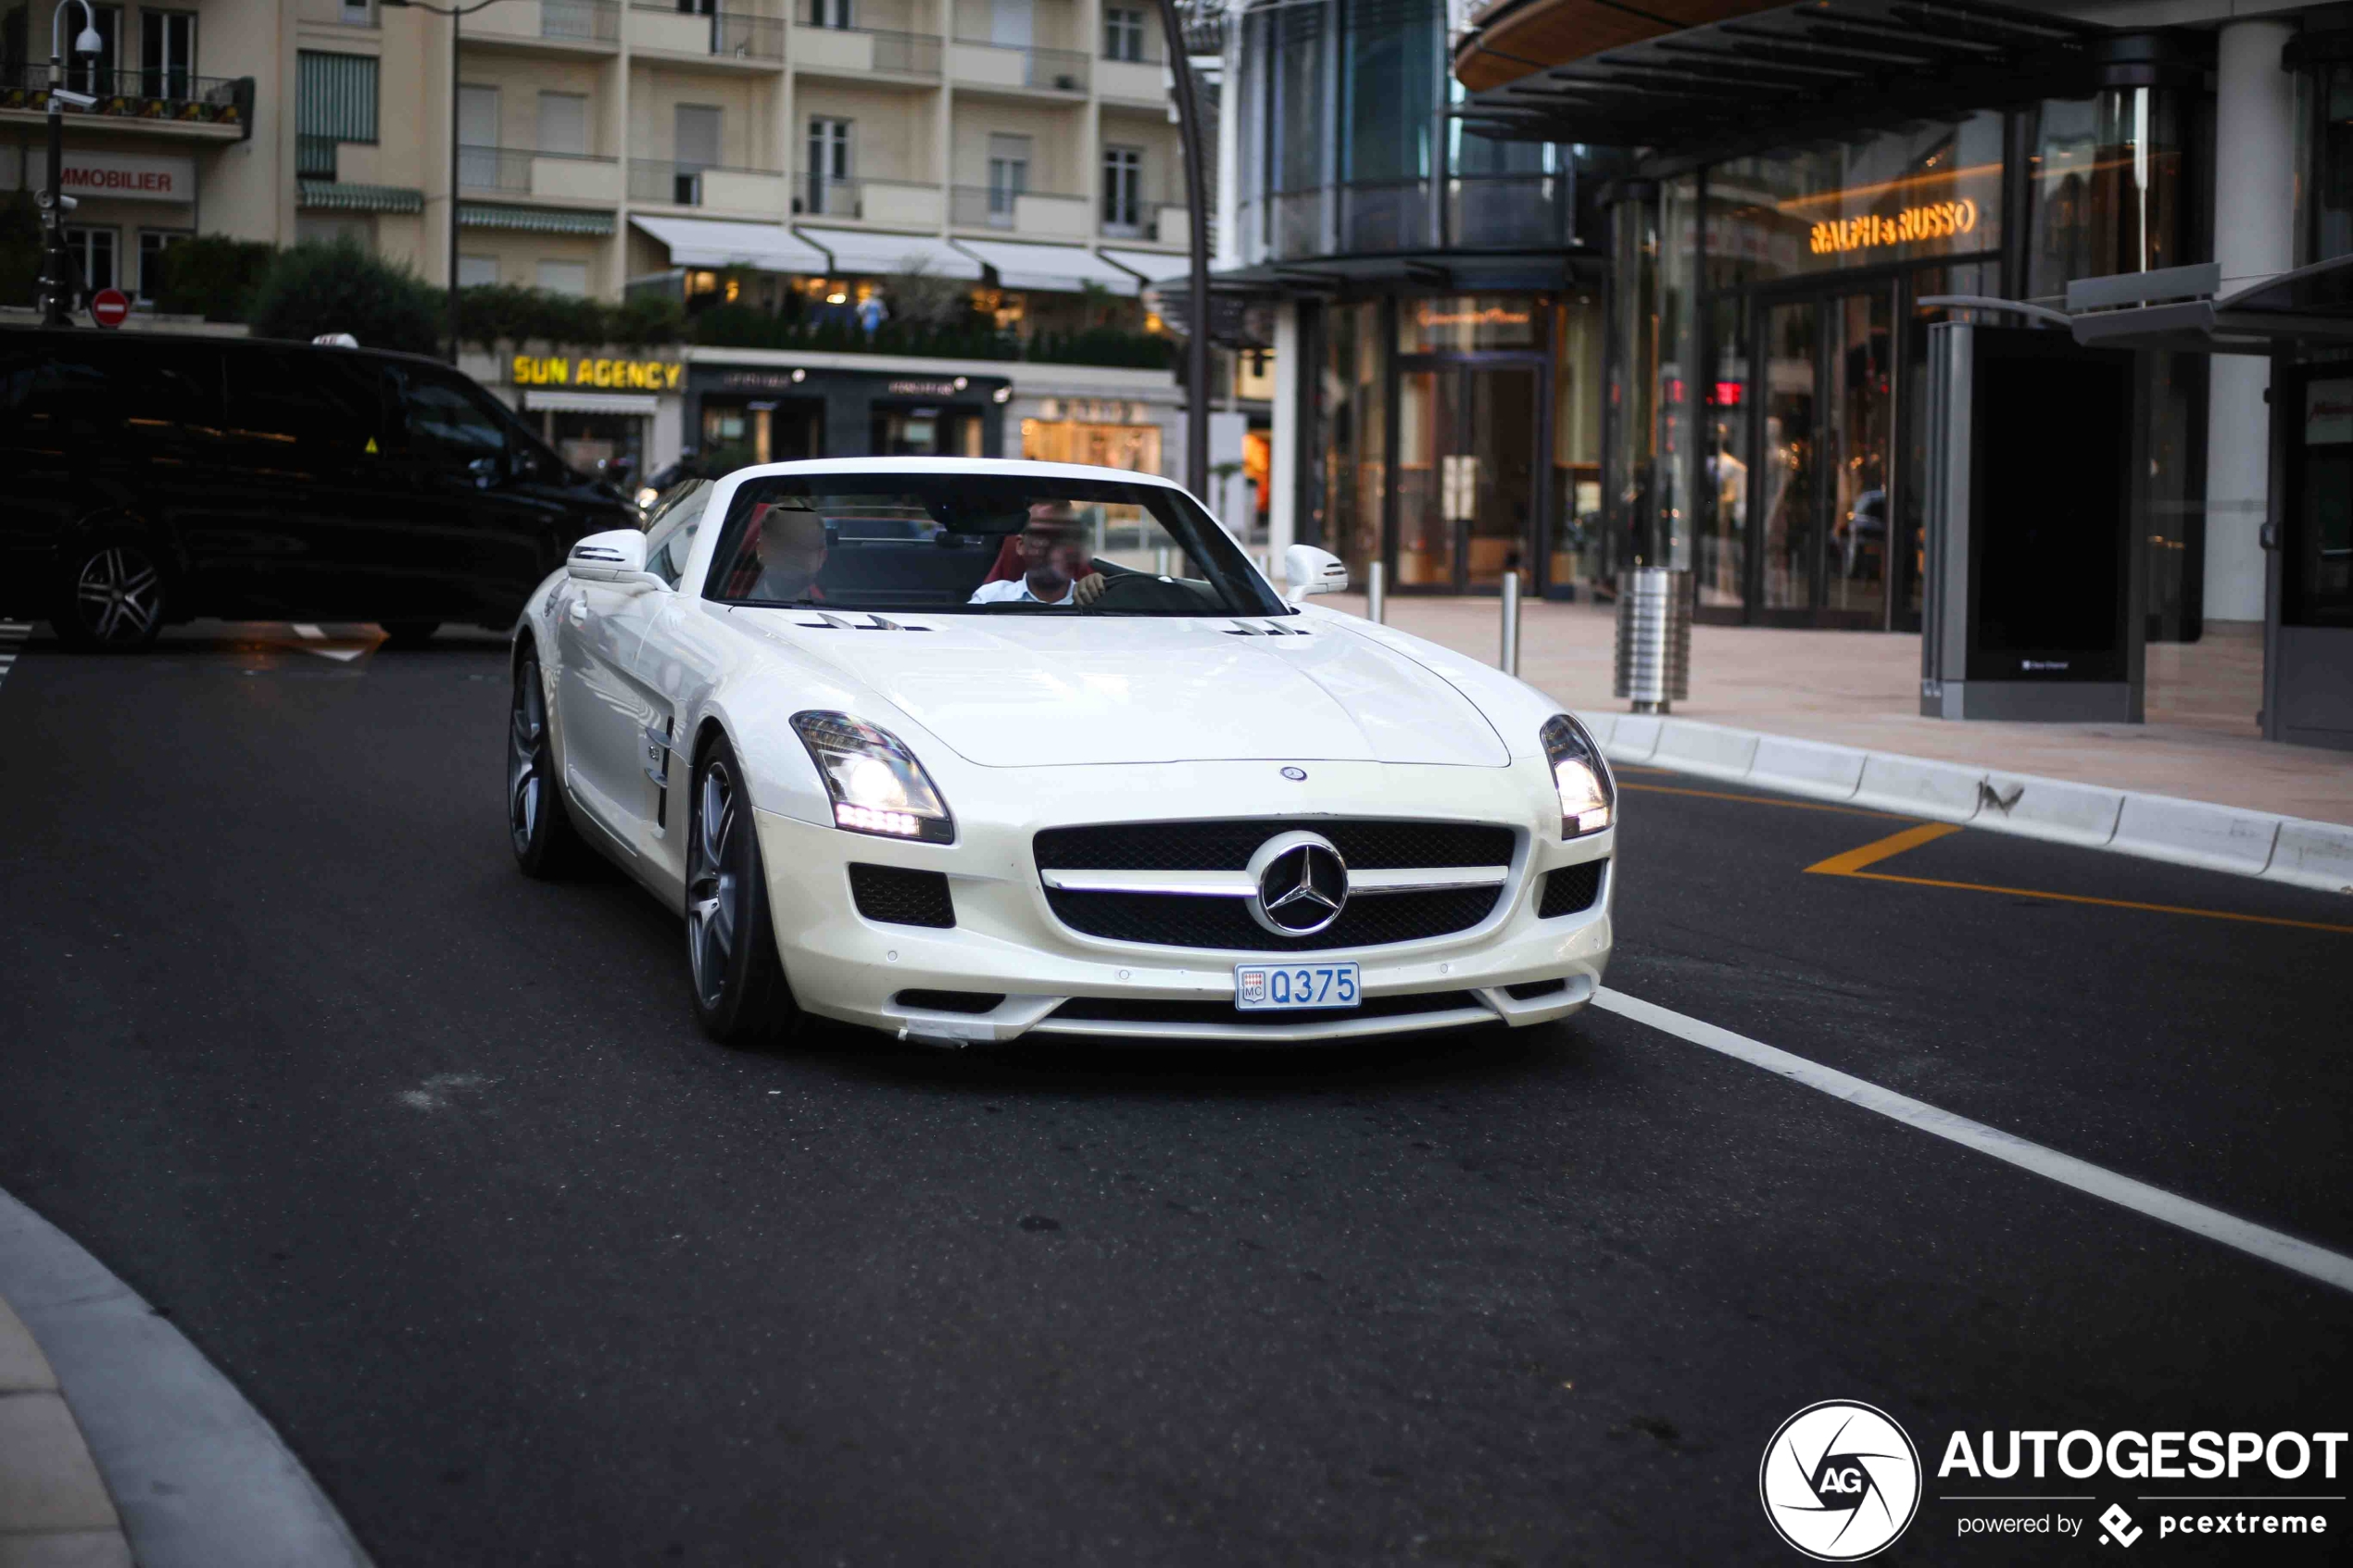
{"points": [[111, 595], [735, 975], [408, 633], [538, 828]]}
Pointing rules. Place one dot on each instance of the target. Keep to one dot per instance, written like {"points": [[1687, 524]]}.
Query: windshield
{"points": [[981, 545]]}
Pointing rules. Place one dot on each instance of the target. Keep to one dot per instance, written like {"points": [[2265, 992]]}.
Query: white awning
{"points": [[1068, 268], [715, 241], [856, 252], [1156, 266], [534, 400]]}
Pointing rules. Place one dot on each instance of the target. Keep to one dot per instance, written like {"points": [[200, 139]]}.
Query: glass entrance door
{"points": [[1825, 448], [1470, 455]]}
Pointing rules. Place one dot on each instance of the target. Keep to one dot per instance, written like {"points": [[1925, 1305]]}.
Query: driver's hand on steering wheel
{"points": [[1088, 589]]}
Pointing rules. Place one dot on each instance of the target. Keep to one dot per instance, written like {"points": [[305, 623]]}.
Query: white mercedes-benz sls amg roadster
{"points": [[972, 750]]}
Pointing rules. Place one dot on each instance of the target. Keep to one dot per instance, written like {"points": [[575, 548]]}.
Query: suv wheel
{"points": [[113, 592]]}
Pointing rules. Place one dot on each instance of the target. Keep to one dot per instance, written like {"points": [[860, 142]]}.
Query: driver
{"points": [[1055, 568]]}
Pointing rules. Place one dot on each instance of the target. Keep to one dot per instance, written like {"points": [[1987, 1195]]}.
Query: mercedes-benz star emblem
{"points": [[1302, 884], [1296, 775]]}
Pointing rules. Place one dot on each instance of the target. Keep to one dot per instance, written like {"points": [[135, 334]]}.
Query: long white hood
{"points": [[1013, 692]]}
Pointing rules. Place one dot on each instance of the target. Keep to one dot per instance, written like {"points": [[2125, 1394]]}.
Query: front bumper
{"points": [[1006, 941]]}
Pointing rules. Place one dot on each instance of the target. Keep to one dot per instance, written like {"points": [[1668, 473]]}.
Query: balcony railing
{"points": [[126, 93], [862, 49], [1007, 65], [999, 206], [872, 201], [584, 21], [494, 168], [686, 184], [729, 34], [1161, 222]]}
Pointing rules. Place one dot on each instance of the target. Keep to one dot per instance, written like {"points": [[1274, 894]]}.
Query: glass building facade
{"points": [[1768, 344], [1448, 302]]}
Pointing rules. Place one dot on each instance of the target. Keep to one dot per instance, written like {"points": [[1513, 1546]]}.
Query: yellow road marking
{"points": [[1767, 800], [1877, 850], [1852, 863]]}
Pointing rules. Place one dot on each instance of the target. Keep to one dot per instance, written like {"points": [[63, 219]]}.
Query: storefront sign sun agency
{"points": [[1937, 220], [621, 375]]}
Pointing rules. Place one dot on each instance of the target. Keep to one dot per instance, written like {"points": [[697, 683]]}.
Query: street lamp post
{"points": [[1197, 285], [457, 15], [57, 263]]}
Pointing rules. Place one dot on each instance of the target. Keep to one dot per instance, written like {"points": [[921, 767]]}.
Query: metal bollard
{"points": [[1654, 639], [1377, 594], [1509, 662]]}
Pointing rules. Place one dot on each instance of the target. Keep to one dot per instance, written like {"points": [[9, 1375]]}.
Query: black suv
{"points": [[151, 478]]}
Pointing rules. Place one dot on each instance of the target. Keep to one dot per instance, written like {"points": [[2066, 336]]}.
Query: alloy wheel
{"points": [[118, 594], [527, 757], [714, 893]]}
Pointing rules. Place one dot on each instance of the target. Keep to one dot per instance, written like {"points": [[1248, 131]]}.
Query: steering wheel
{"points": [[1145, 591]]}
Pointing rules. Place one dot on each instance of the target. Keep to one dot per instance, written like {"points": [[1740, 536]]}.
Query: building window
{"points": [[830, 13], [1123, 33], [564, 277], [1124, 189], [694, 133], [153, 243], [359, 13], [89, 74], [477, 271], [167, 52], [830, 188], [93, 253], [564, 123], [478, 139], [1008, 177], [335, 95]]}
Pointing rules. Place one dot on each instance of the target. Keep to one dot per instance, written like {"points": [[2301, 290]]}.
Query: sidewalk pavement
{"points": [[1861, 689], [54, 1509]]}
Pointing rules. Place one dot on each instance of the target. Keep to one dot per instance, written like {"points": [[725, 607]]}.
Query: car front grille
{"points": [[1365, 844], [1369, 919]]}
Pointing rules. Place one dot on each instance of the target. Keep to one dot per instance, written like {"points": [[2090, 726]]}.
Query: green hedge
{"points": [[212, 276], [341, 288]]}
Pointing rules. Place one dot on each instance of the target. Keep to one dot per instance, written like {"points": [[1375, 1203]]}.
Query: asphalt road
{"points": [[432, 1161]]}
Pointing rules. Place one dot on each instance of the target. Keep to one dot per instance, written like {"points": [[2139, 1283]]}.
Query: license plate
{"points": [[1266, 988]]}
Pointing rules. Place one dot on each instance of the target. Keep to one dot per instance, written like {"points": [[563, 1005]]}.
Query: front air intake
{"points": [[896, 896]]}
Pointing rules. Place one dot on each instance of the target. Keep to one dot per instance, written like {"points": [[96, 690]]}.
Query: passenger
{"points": [[791, 551], [1056, 569]]}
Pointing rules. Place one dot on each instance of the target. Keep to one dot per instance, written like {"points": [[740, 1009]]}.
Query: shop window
{"points": [[153, 243], [2105, 188], [93, 252], [2327, 184], [1896, 196]]}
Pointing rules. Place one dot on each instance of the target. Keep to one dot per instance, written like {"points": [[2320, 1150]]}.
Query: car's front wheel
{"points": [[111, 596], [741, 997], [545, 844]]}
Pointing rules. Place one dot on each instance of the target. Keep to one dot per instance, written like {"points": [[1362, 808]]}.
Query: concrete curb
{"points": [[199, 1478], [54, 1509], [2156, 827]]}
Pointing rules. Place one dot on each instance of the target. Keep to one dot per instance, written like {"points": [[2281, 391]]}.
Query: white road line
{"points": [[2329, 1268], [12, 637]]}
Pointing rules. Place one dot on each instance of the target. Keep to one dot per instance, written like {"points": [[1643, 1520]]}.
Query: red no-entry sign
{"points": [[108, 307]]}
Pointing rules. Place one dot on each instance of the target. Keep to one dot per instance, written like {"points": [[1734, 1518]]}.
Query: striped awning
{"points": [[338, 196], [532, 219]]}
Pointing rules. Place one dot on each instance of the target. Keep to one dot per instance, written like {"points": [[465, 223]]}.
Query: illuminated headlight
{"points": [[646, 496], [876, 784], [1589, 800]]}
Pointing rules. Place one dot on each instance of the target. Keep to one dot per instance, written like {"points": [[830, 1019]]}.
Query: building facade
{"points": [[1018, 155], [1723, 364]]}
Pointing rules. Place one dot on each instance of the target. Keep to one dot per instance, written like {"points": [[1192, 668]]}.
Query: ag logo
{"points": [[1840, 1481]]}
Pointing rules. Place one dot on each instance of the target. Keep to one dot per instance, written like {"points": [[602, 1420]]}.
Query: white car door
{"points": [[603, 714]]}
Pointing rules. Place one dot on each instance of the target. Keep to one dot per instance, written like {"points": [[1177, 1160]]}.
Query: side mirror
{"points": [[1307, 570], [616, 558]]}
